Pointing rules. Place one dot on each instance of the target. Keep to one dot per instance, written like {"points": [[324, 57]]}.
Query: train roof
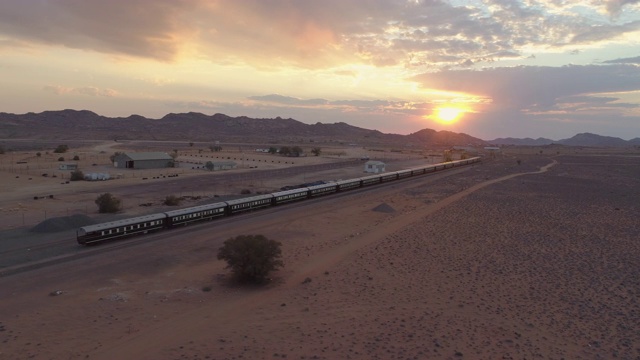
{"points": [[322, 186], [247, 199], [191, 210], [291, 191], [123, 222]]}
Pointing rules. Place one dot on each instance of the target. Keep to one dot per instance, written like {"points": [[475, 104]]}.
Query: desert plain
{"points": [[528, 255]]}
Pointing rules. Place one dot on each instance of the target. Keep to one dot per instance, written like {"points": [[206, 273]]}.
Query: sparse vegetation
{"points": [[76, 175], [76, 158], [245, 191], [38, 154], [172, 200], [215, 148], [296, 151], [273, 150], [285, 151], [61, 149], [61, 158], [316, 151], [251, 258], [113, 156], [108, 203], [447, 157]]}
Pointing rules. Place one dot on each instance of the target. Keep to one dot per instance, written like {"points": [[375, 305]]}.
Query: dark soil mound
{"points": [[62, 223], [385, 208]]}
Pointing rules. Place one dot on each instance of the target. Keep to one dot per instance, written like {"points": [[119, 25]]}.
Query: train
{"points": [[93, 234]]}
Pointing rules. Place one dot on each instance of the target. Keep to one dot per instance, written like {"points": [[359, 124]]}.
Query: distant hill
{"points": [[588, 139], [192, 126], [521, 142], [582, 139]]}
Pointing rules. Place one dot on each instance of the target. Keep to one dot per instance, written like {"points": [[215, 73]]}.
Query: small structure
{"points": [[222, 165], [71, 166], [97, 176], [373, 166], [143, 160]]}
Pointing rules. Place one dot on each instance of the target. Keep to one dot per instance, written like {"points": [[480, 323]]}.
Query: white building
{"points": [[373, 166]]}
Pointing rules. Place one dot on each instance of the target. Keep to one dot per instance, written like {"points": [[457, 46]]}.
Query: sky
{"points": [[488, 68]]}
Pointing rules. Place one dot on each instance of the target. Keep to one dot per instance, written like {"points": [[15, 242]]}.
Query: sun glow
{"points": [[449, 114]]}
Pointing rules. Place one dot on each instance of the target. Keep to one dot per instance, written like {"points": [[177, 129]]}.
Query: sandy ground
{"points": [[21, 176], [498, 261]]}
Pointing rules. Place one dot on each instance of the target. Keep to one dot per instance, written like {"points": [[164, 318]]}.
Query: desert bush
{"points": [[172, 200], [108, 203], [61, 158], [76, 175], [113, 156], [316, 151], [209, 165], [76, 158], [251, 258], [61, 149], [245, 191], [2, 149], [38, 154]]}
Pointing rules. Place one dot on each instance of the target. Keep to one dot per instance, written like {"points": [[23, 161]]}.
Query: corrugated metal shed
{"points": [[143, 160], [148, 156]]}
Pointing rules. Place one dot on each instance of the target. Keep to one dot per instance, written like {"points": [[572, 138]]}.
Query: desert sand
{"points": [[497, 261]]}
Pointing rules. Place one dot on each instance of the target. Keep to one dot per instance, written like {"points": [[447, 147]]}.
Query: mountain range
{"points": [[84, 124]]}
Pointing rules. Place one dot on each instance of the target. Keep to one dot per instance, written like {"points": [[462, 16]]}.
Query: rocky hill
{"points": [[582, 139], [74, 124]]}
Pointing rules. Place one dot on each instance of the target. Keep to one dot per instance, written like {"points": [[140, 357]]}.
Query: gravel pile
{"points": [[62, 223], [384, 208]]}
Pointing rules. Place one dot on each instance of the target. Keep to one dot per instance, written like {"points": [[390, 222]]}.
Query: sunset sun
{"points": [[448, 115]]}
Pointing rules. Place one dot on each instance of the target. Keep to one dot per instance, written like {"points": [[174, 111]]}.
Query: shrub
{"points": [[251, 257], [76, 157], [61, 158], [172, 200], [38, 154], [245, 191], [61, 149], [2, 149], [108, 203], [209, 165], [113, 156], [316, 151], [76, 175]]}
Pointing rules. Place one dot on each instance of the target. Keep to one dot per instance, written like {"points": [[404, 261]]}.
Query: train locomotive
{"points": [[93, 234]]}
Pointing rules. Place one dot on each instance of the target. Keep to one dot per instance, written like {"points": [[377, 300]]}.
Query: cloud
{"points": [[633, 60], [87, 90], [525, 86], [309, 34], [615, 6]]}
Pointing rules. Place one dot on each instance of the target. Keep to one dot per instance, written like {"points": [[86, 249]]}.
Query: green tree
{"points": [[251, 258], [273, 150], [108, 203], [172, 200], [209, 165], [76, 175], [113, 156], [285, 151], [61, 149], [316, 151], [296, 151]]}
